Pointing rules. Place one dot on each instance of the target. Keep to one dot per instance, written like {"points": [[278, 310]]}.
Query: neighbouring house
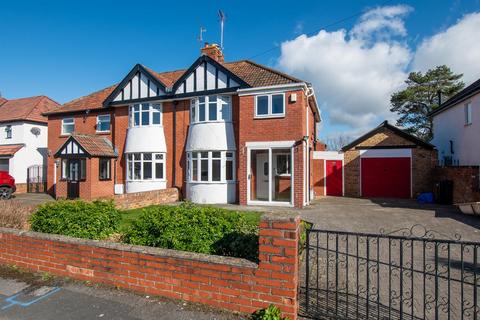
{"points": [[456, 132], [456, 128], [386, 162], [220, 132], [23, 138]]}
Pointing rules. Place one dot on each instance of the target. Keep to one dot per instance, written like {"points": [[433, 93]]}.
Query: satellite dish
{"points": [[35, 131]]}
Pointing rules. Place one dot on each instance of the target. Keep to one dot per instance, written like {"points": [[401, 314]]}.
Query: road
{"points": [[27, 296]]}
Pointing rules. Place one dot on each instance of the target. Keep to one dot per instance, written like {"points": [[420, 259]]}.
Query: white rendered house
{"points": [[23, 137], [456, 128]]}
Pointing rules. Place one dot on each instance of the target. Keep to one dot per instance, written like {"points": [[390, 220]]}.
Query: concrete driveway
{"points": [[372, 215]]}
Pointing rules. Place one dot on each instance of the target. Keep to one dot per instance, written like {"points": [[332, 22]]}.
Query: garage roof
{"points": [[397, 131]]}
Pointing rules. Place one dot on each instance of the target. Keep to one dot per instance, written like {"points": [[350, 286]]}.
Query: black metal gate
{"points": [[37, 179], [406, 274]]}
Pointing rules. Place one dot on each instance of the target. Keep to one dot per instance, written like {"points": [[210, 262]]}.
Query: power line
{"points": [[359, 13]]}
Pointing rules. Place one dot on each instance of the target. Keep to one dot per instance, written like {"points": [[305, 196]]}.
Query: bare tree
{"points": [[338, 142]]}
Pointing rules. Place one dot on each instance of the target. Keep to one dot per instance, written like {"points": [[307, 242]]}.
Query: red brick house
{"points": [[220, 132]]}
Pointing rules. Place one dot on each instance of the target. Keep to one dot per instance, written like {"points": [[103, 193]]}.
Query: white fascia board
{"points": [[268, 89], [269, 144], [386, 153], [327, 155]]}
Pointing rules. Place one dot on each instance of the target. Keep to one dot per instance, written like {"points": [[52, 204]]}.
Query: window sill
{"points": [[64, 135], [148, 126], [213, 182], [105, 179], [103, 132], [214, 121], [467, 124], [269, 116], [148, 180]]}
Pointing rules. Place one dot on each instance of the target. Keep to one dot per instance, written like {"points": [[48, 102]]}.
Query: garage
{"points": [[386, 173], [387, 162], [328, 175]]}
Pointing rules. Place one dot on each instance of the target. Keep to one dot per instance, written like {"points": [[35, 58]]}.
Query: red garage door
{"points": [[386, 177]]}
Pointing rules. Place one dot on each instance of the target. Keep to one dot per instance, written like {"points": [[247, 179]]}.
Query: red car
{"points": [[7, 185]]}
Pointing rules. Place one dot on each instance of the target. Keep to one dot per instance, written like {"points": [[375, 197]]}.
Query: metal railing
{"points": [[406, 274]]}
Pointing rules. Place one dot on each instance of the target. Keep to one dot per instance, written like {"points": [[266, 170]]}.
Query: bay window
{"points": [[145, 114], [211, 108], [270, 105], [211, 166], [145, 166]]}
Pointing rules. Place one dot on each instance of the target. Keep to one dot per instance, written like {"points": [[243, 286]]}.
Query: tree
{"points": [[338, 142], [415, 102]]}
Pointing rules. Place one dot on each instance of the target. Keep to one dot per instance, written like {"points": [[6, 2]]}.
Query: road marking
{"points": [[12, 302]]}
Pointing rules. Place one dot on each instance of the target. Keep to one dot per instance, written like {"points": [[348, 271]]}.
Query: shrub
{"points": [[91, 220], [196, 228], [270, 313], [14, 215]]}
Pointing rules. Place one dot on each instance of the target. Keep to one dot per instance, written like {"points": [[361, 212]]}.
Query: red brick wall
{"points": [[292, 127], [223, 282], [466, 186], [144, 199]]}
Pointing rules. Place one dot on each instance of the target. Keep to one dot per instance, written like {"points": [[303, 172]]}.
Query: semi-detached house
{"points": [[220, 132]]}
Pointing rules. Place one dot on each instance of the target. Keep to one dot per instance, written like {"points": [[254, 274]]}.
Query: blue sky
{"points": [[66, 49]]}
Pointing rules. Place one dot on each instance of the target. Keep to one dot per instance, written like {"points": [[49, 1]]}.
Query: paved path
{"points": [[32, 298], [32, 198]]}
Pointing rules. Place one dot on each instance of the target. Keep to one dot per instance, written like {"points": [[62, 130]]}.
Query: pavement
{"points": [[28, 296]]}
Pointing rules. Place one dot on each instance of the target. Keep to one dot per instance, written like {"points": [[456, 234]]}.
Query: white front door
{"points": [[262, 176]]}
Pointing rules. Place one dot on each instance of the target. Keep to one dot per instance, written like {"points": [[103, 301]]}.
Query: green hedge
{"points": [[194, 228], [80, 219]]}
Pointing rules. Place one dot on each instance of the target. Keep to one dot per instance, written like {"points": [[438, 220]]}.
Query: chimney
{"points": [[213, 51]]}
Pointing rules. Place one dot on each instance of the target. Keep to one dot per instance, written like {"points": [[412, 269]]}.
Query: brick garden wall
{"points": [[465, 182], [224, 282], [144, 199]]}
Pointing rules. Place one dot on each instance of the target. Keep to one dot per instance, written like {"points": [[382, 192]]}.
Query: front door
{"points": [[73, 184], [262, 176]]}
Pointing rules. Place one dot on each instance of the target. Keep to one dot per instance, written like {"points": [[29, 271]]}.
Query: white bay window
{"points": [[145, 166], [211, 166], [145, 114], [211, 108]]}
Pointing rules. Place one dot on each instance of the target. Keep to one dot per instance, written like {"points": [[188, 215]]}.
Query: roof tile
{"points": [[10, 150], [31, 109]]}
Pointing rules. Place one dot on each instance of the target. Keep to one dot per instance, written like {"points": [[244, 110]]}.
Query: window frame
{"points": [[63, 126], [468, 112], [288, 164], [8, 131], [109, 169], [109, 123], [196, 156], [221, 102], [270, 114], [151, 111], [130, 160]]}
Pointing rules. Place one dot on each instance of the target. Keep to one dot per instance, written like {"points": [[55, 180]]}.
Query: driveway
{"points": [[355, 275], [373, 215]]}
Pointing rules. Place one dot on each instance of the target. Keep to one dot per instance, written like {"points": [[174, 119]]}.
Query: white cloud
{"points": [[355, 72], [458, 47], [382, 22], [353, 78]]}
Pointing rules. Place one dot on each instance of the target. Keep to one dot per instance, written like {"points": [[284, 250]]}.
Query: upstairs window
{"points": [[270, 105], [145, 114], [468, 114], [68, 126], [103, 123], [211, 108], [8, 132]]}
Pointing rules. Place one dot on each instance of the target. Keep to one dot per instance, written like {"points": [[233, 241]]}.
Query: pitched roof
{"points": [[254, 74], [2, 100], [466, 93], [31, 109], [94, 145], [10, 150], [396, 130]]}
